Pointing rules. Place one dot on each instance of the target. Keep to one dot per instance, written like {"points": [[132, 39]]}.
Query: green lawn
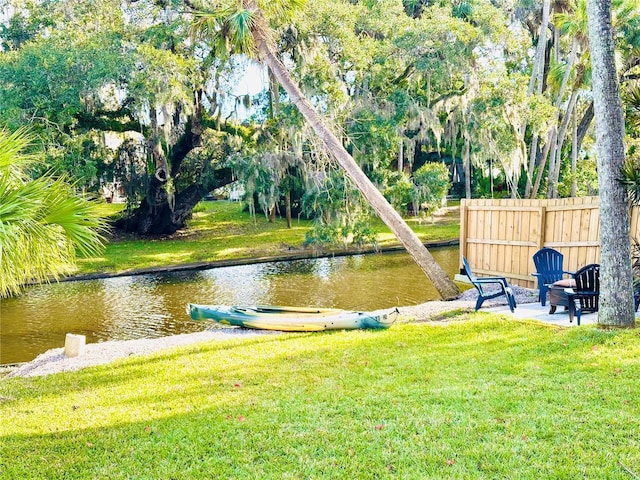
{"points": [[223, 231], [480, 398]]}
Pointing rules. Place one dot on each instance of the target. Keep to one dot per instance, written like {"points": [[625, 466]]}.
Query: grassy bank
{"points": [[223, 231], [483, 398]]}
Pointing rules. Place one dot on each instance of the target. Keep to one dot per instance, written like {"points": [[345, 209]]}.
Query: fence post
{"points": [[543, 234], [463, 231]]}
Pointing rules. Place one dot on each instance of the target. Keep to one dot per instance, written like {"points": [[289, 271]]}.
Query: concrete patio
{"points": [[528, 310], [535, 311]]}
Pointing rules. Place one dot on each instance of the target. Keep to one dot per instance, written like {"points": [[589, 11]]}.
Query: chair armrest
{"points": [[586, 293], [488, 280]]}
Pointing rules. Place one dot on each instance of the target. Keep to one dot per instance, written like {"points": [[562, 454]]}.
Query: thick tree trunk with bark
{"points": [[159, 215], [443, 284], [287, 208], [616, 292], [155, 145]]}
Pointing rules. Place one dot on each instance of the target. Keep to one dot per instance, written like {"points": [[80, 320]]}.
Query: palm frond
{"points": [[227, 30], [632, 107], [44, 224], [282, 10], [630, 179], [239, 31], [76, 216], [13, 160]]}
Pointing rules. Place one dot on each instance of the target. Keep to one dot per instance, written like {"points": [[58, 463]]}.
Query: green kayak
{"points": [[292, 319]]}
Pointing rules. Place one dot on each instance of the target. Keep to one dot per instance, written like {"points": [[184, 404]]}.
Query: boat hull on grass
{"points": [[292, 319]]}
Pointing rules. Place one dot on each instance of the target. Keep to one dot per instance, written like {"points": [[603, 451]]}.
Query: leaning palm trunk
{"points": [[552, 135], [616, 293], [443, 284], [537, 77], [556, 149]]}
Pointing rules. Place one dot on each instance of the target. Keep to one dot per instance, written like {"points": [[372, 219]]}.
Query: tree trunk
{"points": [[574, 154], [616, 306], [533, 154], [536, 83], [556, 154], [287, 208], [467, 166], [157, 153], [558, 139], [443, 284], [159, 213], [157, 216], [543, 161], [585, 122], [541, 50]]}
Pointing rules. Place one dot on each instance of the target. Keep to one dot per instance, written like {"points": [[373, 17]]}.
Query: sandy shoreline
{"points": [[54, 361]]}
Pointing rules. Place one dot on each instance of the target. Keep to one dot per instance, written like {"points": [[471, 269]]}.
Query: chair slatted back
{"points": [[472, 277], [548, 263], [467, 269], [588, 286]]}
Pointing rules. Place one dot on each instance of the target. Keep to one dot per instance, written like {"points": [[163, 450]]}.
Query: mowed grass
{"points": [[222, 230], [481, 398]]}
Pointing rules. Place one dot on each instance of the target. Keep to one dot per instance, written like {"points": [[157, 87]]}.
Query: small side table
{"points": [[561, 296]]}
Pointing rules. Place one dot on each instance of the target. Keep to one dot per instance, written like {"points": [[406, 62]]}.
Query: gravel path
{"points": [[54, 361]]}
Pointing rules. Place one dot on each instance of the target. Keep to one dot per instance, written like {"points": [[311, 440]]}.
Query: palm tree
{"points": [[535, 85], [43, 223], [616, 291], [244, 24], [572, 21]]}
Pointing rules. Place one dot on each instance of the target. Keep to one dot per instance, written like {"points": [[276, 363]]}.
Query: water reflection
{"points": [[154, 305]]}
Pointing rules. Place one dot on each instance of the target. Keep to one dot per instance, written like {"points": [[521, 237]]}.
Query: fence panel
{"points": [[499, 237]]}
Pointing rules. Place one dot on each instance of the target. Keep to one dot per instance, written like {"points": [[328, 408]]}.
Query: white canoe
{"points": [[292, 319]]}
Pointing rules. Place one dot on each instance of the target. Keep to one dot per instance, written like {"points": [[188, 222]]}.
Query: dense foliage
{"points": [[124, 93]]}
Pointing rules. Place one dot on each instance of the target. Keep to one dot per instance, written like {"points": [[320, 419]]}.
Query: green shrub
{"points": [[431, 186], [400, 192]]}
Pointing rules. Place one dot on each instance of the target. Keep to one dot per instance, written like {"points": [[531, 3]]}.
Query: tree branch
{"points": [[446, 96], [404, 75], [112, 121]]}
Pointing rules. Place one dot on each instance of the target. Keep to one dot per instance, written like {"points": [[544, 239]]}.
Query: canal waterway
{"points": [[153, 305]]}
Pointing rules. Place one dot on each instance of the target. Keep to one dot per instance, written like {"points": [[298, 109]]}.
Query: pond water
{"points": [[149, 306]]}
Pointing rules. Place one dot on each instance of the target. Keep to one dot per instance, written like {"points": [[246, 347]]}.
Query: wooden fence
{"points": [[499, 237]]}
